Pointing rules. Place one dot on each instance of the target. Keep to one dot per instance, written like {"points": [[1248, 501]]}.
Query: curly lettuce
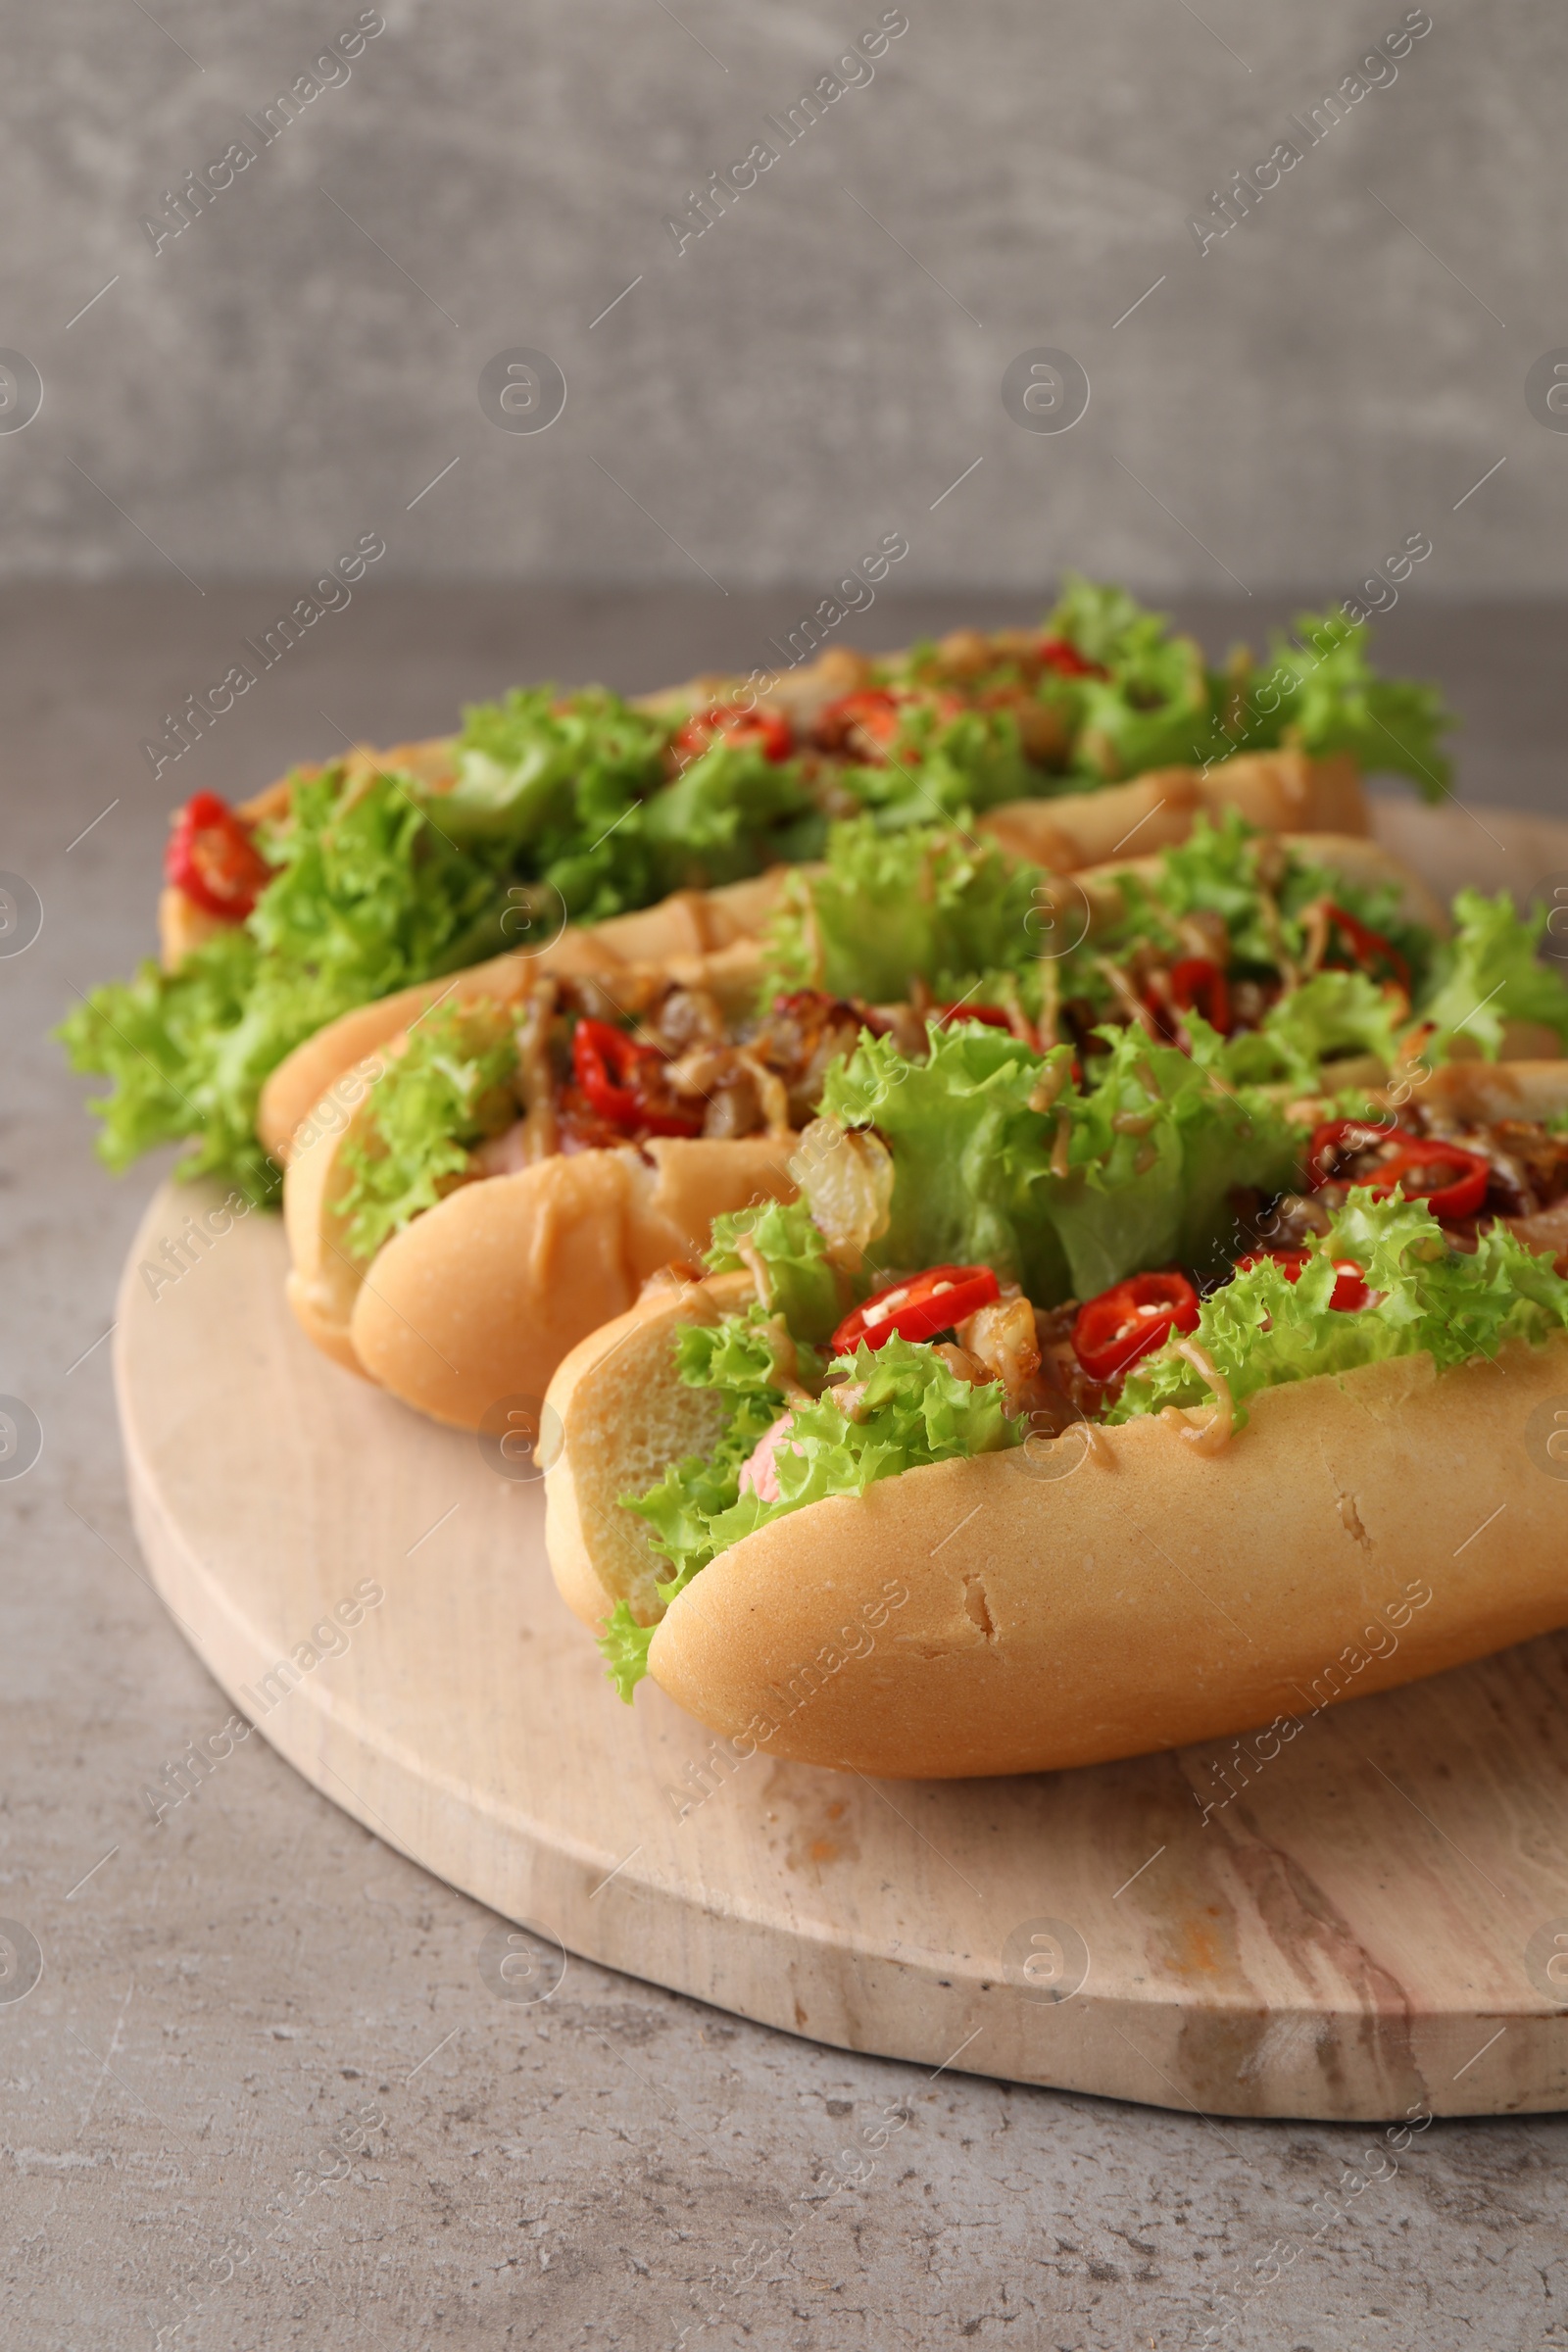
{"points": [[940, 765], [444, 1094], [728, 814], [1491, 974], [1156, 699], [1260, 1330], [910, 1410], [780, 1236], [1132, 1171], [1298, 1039], [369, 897], [1159, 706], [889, 907], [1220, 869], [1317, 692]]}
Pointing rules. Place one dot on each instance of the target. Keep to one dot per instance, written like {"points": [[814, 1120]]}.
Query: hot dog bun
{"points": [[701, 922], [690, 923], [480, 1297], [1280, 792], [998, 1616]]}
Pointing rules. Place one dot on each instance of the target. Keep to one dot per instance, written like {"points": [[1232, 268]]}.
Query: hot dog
{"points": [[1139, 1488], [518, 1223], [348, 884]]}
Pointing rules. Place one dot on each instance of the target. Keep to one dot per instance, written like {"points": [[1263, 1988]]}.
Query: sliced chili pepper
{"points": [[1199, 984], [816, 1004], [1057, 654], [992, 1014], [918, 1307], [1418, 1167], [871, 713], [1413, 1158], [1369, 948], [212, 857], [618, 1076], [765, 731], [1351, 1292], [1130, 1320], [1336, 1137]]}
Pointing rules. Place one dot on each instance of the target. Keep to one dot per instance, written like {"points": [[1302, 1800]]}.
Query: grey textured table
{"points": [[224, 1993]]}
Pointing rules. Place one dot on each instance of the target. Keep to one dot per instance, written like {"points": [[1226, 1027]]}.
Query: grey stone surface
{"points": [[224, 1994], [827, 358]]}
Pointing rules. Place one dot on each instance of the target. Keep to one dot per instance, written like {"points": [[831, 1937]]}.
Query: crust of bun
{"points": [[621, 1419], [1282, 792], [478, 1300], [998, 1615], [1489, 1091]]}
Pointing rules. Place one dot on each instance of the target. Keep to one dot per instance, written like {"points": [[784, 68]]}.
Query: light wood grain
{"points": [[1341, 1938]]}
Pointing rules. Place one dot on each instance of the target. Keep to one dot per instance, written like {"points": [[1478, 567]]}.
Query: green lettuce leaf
{"points": [[887, 908], [1149, 712], [1216, 871], [803, 1288], [1333, 1013], [1104, 623], [1154, 1148], [1491, 974], [718, 820], [1331, 700], [443, 1095], [940, 767], [623, 1645], [1260, 1330], [369, 897], [969, 1154], [557, 783], [186, 1054]]}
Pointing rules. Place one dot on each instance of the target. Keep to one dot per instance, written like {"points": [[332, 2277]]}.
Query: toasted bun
{"points": [[1015, 1613], [1281, 792], [1485, 1092], [480, 1297]]}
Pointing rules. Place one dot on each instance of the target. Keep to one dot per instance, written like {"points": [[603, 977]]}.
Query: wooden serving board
{"points": [[1365, 1919]]}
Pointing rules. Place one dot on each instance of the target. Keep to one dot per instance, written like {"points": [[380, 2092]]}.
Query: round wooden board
{"points": [[1361, 1930]]}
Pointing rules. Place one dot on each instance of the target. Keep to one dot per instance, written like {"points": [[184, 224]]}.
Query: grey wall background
{"points": [[826, 361]]}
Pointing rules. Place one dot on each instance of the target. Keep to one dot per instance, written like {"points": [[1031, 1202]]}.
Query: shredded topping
{"points": [[1209, 1436]]}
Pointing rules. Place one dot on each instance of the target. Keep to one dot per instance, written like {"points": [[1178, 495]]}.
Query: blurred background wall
{"points": [[1277, 406]]}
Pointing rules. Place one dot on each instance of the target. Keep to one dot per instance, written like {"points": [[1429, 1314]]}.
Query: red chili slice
{"points": [[871, 713], [918, 1307], [1337, 1136], [212, 857], [1369, 948], [1414, 1160], [1130, 1320], [1197, 983], [1351, 1292], [992, 1014], [1057, 654], [1416, 1167], [765, 731], [616, 1075]]}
